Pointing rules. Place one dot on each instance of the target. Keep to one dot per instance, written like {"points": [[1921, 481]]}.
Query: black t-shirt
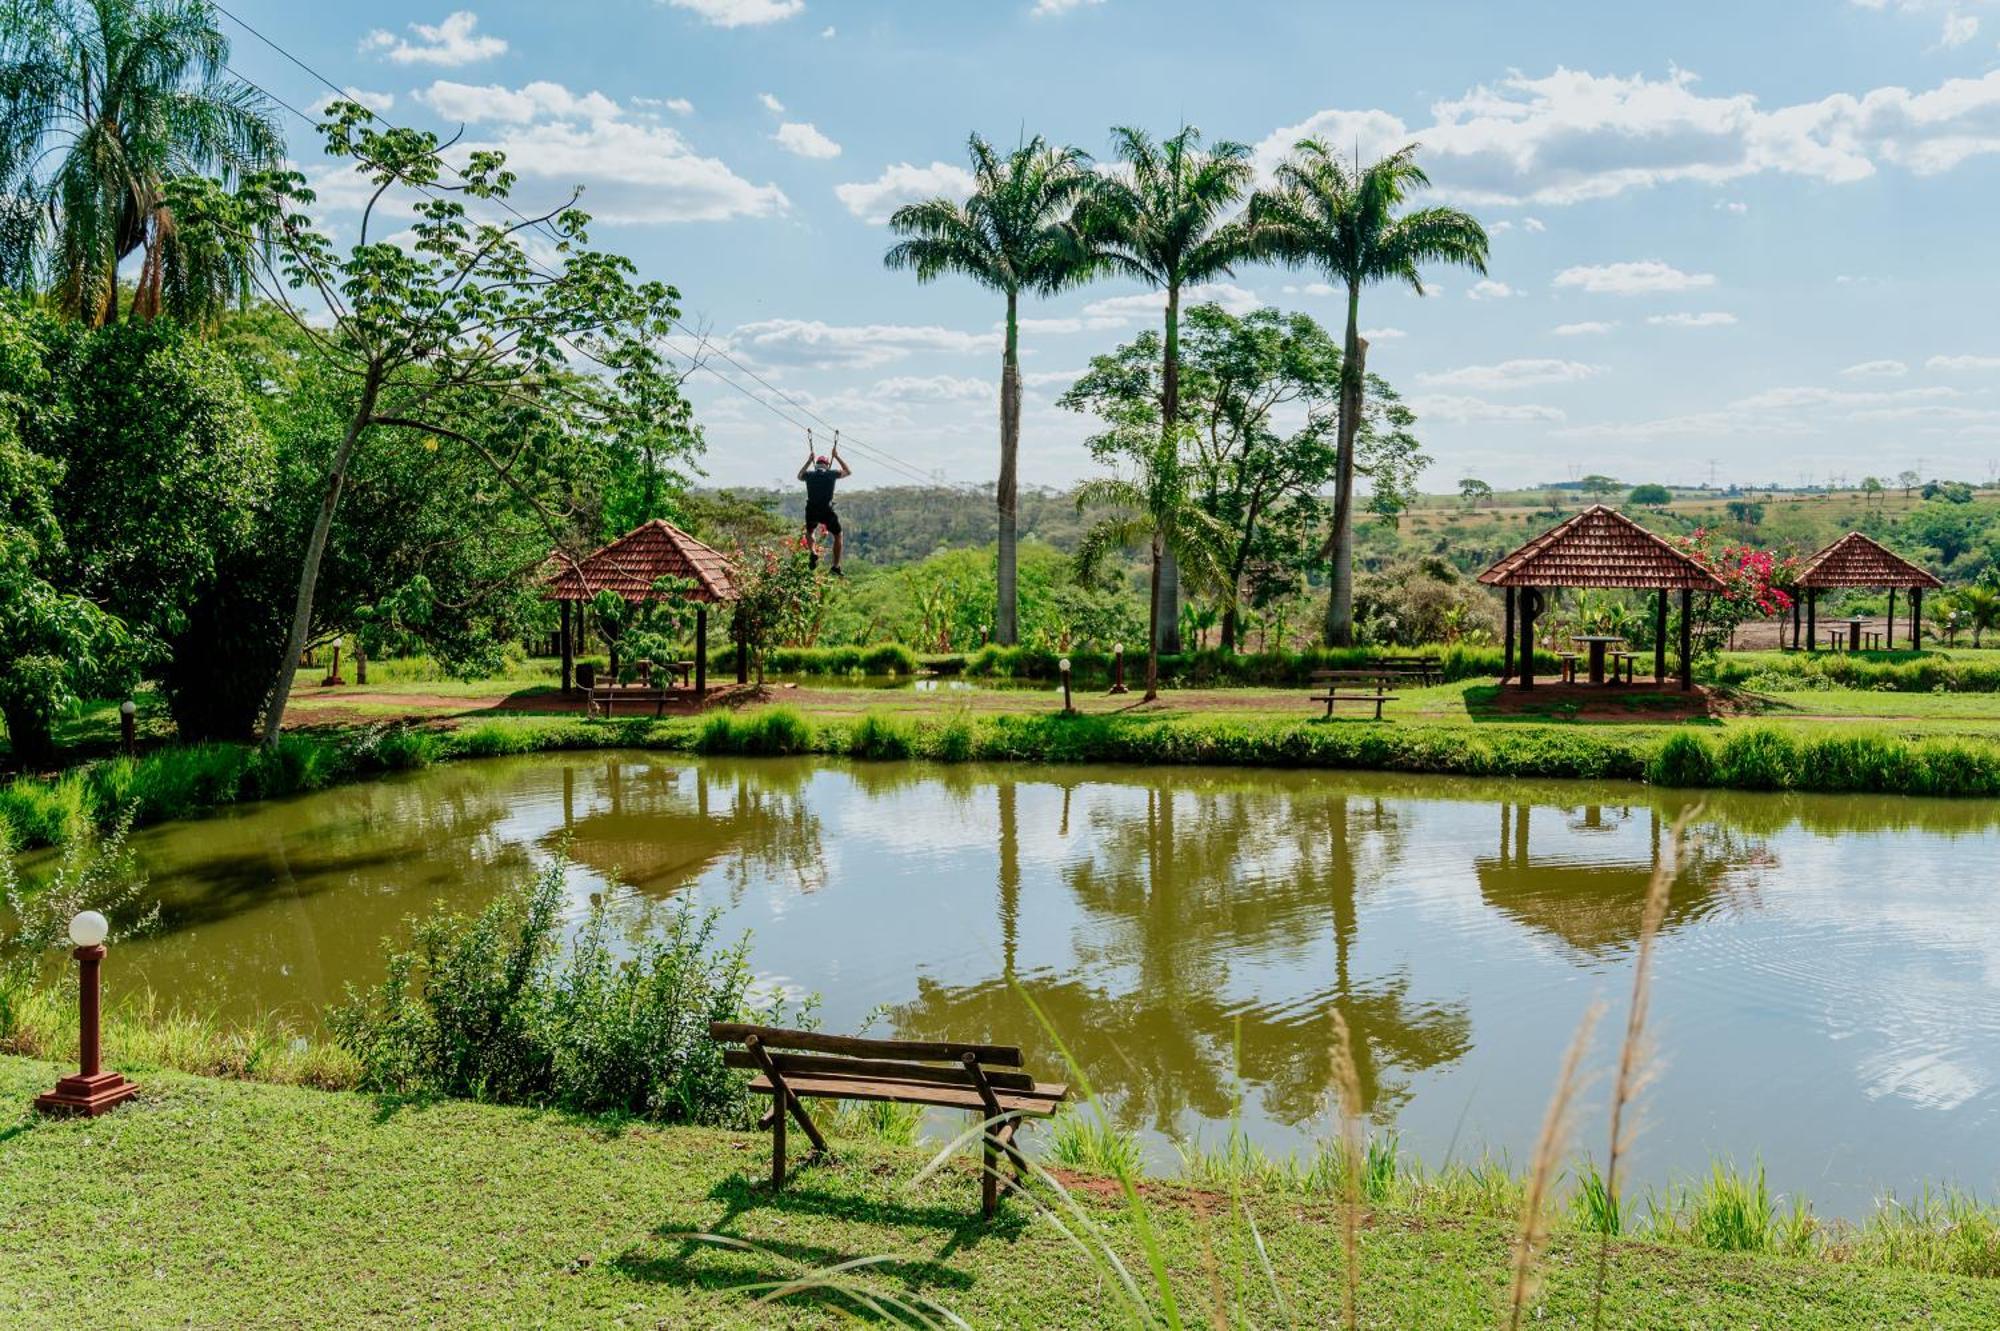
{"points": [[819, 486]]}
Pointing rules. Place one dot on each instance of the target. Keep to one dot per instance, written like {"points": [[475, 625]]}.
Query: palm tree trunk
{"points": [[1167, 599], [1340, 594], [1153, 637], [1005, 619], [295, 641]]}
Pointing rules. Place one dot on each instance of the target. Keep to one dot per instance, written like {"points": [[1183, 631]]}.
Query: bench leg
{"points": [[989, 1179], [777, 1151]]}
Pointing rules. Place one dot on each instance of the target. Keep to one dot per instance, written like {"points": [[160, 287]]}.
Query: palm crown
{"points": [[1013, 235], [102, 102], [1164, 219]]}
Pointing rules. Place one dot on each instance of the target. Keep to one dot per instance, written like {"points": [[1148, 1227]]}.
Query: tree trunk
{"points": [[1167, 624], [30, 742], [1340, 593], [1153, 638], [295, 642], [360, 662], [1006, 623]]}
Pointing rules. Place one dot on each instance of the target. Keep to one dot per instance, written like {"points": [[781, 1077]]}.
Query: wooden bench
{"points": [[795, 1066], [1426, 670], [605, 697], [1339, 686]]}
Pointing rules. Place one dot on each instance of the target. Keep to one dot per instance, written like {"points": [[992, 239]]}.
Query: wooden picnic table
{"points": [[1597, 643], [1854, 633]]}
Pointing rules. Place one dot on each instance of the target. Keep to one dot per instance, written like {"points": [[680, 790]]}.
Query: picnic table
{"points": [[1597, 643], [1854, 633]]}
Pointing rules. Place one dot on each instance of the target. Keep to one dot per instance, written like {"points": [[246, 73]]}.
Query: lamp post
{"points": [[92, 1090], [1118, 668], [1063, 665], [128, 727]]}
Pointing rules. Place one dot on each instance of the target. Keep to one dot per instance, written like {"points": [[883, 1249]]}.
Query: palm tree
{"points": [[1014, 235], [1982, 610], [1155, 506], [1164, 220], [1344, 221], [103, 103]]}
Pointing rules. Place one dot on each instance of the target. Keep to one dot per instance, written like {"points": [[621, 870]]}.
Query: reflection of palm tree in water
{"points": [[1182, 890]]}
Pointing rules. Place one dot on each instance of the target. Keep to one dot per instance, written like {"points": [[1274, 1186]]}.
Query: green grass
{"points": [[218, 1203]]}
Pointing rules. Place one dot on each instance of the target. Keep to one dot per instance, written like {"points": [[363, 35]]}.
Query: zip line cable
{"points": [[873, 453]]}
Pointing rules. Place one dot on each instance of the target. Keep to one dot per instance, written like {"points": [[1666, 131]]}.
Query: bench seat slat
{"points": [[773, 1037], [1352, 697], [1040, 1103], [880, 1069]]}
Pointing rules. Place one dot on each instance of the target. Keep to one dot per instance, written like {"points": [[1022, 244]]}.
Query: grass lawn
{"points": [[228, 1204]]}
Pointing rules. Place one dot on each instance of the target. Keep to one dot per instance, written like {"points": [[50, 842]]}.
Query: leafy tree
{"points": [[1871, 486], [1650, 496], [452, 332], [778, 597], [1164, 220], [1473, 492], [1597, 486], [1749, 512], [55, 646], [1950, 529], [1908, 478], [1016, 235], [1154, 505], [1345, 221], [1981, 605], [103, 104]]}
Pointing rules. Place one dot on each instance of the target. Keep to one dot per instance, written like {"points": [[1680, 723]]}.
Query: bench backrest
{"points": [[812, 1053], [1357, 674]]}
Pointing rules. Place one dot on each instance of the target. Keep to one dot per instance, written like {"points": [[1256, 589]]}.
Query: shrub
{"points": [[1684, 760], [1758, 759], [879, 736], [496, 1008]]}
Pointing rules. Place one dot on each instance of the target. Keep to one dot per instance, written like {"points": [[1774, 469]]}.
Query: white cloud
{"points": [[1877, 369], [374, 101], [1488, 289], [1736, 206], [1231, 297], [805, 140], [1706, 319], [1533, 224], [451, 43], [634, 170], [873, 200], [1046, 8], [1588, 328], [826, 33], [1571, 135], [1512, 374], [741, 13], [1958, 29], [811, 344], [1813, 396], [1311, 289], [771, 104], [1631, 279], [1383, 334], [1477, 411], [937, 388], [680, 106], [1963, 363]]}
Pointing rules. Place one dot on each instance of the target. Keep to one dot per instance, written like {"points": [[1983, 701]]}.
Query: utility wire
{"points": [[880, 455]]}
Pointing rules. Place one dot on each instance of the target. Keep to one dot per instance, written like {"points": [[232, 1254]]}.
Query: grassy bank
{"points": [[176, 782], [236, 1205]]}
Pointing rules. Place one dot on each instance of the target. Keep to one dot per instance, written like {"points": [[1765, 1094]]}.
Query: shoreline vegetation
{"points": [[179, 781]]}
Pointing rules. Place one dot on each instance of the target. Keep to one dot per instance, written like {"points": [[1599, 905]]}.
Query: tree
{"points": [[451, 331], [1871, 487], [1982, 609], [1909, 479], [1650, 496], [1950, 529], [1164, 220], [1473, 492], [1598, 486], [1344, 221], [1749, 512], [1016, 234], [103, 104], [1153, 506]]}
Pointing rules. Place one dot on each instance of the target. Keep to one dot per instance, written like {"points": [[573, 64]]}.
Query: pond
{"points": [[1826, 979]]}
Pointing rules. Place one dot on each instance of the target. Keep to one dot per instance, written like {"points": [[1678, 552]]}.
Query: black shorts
{"points": [[822, 515]]}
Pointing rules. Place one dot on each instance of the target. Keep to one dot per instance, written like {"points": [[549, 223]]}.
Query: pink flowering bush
{"points": [[1756, 585]]}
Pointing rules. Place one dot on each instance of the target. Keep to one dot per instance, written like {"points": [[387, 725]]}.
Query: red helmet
{"points": [[823, 461]]}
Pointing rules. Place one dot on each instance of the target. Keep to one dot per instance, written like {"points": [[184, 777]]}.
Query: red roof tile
{"points": [[1599, 547], [631, 565], [1856, 561]]}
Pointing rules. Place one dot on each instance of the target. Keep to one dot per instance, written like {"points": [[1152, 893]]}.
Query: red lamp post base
{"points": [[90, 1096]]}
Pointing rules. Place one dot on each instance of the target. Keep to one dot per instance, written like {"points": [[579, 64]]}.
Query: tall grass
{"points": [[1551, 1146]]}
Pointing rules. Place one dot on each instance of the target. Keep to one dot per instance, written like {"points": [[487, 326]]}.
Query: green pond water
{"points": [[1828, 983]]}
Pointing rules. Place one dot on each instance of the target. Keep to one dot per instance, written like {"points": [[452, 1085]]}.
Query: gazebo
{"points": [[630, 566], [1599, 547], [1856, 561]]}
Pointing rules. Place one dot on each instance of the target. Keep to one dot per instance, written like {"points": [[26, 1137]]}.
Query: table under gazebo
{"points": [[632, 566], [1599, 548], [1856, 561]]}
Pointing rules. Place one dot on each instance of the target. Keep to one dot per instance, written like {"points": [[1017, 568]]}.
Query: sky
{"points": [[1743, 243]]}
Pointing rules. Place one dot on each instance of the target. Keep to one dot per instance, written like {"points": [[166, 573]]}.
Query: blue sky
{"points": [[1747, 240]]}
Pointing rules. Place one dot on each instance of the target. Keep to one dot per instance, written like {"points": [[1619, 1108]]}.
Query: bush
{"points": [[879, 736], [495, 1008], [1684, 760]]}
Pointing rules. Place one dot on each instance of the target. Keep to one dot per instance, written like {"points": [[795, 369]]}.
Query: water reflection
{"points": [[1189, 933]]}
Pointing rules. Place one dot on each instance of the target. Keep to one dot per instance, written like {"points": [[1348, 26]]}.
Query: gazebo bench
{"points": [[1624, 667], [1569, 660], [1338, 686], [794, 1066]]}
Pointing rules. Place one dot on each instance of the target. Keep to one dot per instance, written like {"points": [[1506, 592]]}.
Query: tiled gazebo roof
{"points": [[631, 565], [1856, 561], [1599, 547]]}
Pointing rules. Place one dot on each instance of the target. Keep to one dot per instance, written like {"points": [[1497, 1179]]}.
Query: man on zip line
{"points": [[821, 473]]}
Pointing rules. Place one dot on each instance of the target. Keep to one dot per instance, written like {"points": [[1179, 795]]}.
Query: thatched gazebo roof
{"points": [[1856, 561], [631, 565], [1600, 547]]}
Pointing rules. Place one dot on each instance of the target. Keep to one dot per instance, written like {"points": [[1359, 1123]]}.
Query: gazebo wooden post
{"points": [[1507, 640], [1530, 603], [742, 649], [1797, 610], [1812, 619], [1660, 637], [1916, 619], [568, 651], [701, 650], [1687, 638], [1889, 629]]}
